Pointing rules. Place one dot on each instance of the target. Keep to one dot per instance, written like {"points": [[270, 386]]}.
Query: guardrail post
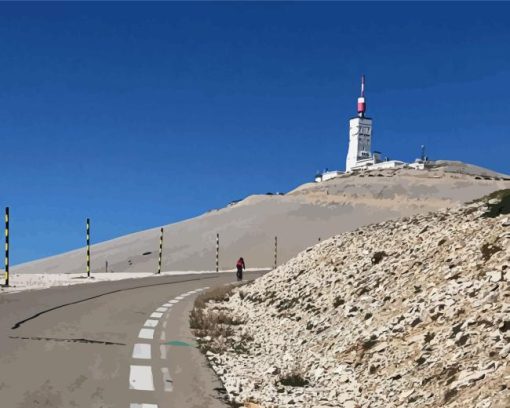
{"points": [[6, 246], [88, 247], [160, 251], [217, 252], [275, 252]]}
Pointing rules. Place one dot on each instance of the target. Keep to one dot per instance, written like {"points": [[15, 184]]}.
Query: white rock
{"points": [[494, 276], [505, 351]]}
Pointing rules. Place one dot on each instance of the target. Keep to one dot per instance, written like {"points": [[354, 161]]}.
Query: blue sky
{"points": [[141, 114]]}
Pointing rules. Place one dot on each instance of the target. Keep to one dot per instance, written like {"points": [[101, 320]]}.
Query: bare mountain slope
{"points": [[299, 219], [411, 312]]}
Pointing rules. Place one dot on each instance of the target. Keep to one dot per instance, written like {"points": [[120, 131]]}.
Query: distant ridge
{"points": [[299, 218], [460, 167]]}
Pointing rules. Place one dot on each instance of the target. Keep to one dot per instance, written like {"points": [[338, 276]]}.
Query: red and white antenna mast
{"points": [[362, 106]]}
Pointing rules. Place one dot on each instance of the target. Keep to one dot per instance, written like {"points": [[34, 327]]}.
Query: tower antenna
{"points": [[362, 106]]}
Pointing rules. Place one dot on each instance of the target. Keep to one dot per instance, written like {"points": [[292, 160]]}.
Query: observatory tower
{"points": [[359, 154], [360, 136]]}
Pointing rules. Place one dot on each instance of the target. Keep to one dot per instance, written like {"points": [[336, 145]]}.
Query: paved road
{"points": [[102, 345]]}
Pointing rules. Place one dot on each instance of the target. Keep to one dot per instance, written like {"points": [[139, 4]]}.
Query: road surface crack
{"points": [[79, 340]]}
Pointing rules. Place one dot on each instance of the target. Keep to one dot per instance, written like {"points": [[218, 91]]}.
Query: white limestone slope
{"points": [[407, 313], [298, 218]]}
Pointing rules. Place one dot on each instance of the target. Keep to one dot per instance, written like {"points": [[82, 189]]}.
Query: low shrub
{"points": [[378, 257], [488, 250], [294, 379], [500, 204], [213, 323]]}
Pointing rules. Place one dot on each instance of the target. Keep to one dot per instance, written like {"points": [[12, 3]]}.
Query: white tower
{"points": [[360, 135]]}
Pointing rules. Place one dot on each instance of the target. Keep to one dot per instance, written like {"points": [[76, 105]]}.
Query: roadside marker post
{"points": [[160, 251], [217, 252], [275, 252], [88, 247], [6, 246]]}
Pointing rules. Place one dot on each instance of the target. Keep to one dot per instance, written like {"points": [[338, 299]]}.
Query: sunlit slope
{"points": [[298, 218]]}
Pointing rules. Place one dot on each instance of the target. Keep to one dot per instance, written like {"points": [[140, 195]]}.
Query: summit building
{"points": [[359, 154], [360, 136]]}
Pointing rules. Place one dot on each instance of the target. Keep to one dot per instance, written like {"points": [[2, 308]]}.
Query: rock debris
{"points": [[412, 312]]}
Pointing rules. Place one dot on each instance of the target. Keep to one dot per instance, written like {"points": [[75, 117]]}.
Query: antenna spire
{"points": [[362, 106]]}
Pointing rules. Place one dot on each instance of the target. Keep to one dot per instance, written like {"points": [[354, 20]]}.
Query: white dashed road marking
{"points": [[141, 350], [146, 334], [140, 378], [151, 323]]}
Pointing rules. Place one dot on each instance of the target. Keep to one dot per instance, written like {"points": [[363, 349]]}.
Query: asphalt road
{"points": [[122, 344]]}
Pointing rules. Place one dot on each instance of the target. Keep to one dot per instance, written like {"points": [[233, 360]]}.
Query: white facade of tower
{"points": [[360, 142], [359, 154]]}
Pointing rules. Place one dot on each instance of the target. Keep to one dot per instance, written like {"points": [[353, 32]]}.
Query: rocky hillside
{"points": [[299, 218], [413, 312]]}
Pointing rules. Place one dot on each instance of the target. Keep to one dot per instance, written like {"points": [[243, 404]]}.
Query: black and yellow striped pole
{"points": [[275, 252], [6, 246], [217, 252], [160, 251], [88, 247]]}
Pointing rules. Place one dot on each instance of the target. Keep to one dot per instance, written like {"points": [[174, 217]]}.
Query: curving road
{"points": [[122, 344]]}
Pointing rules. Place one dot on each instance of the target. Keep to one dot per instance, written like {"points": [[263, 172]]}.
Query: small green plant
{"points": [[338, 302], [378, 257], [500, 203], [368, 344], [294, 379], [449, 394], [488, 250]]}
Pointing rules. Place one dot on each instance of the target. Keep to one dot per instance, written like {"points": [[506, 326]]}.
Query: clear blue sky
{"points": [[138, 115]]}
